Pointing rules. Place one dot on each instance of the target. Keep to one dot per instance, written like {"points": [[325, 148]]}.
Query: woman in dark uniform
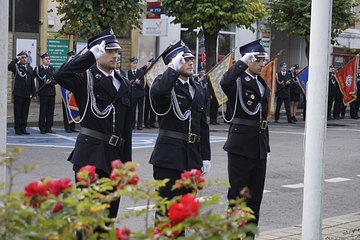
{"points": [[295, 92]]}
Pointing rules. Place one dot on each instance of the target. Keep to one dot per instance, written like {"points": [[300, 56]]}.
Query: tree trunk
{"points": [[210, 48]]}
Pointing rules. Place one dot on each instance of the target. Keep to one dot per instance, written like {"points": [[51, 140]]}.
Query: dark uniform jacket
{"points": [[89, 150], [23, 86], [294, 86], [175, 153], [283, 89], [138, 90], [332, 85], [248, 141], [42, 74]]}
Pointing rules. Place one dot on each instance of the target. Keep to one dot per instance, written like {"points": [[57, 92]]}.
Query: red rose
{"points": [[123, 233], [90, 171], [187, 207], [57, 186], [116, 164], [191, 179], [36, 189], [58, 207], [134, 180], [164, 229]]}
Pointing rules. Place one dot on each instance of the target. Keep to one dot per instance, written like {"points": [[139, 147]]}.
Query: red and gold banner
{"points": [[269, 75], [346, 78]]}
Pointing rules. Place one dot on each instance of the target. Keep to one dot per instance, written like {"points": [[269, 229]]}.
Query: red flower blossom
{"points": [[91, 173], [187, 207], [242, 216], [191, 179], [58, 207], [162, 229], [123, 233], [36, 189], [134, 181], [116, 164], [57, 186]]}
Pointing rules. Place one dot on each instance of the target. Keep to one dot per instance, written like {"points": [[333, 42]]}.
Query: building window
{"points": [[27, 14]]}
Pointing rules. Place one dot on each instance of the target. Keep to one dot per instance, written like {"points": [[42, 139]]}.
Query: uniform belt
{"points": [[188, 137], [263, 124], [111, 139]]}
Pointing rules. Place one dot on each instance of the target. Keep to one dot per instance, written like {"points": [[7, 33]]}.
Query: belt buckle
{"points": [[113, 141], [264, 124], [192, 138]]}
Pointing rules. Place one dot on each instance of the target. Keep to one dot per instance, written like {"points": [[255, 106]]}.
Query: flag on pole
{"points": [[346, 78], [72, 110], [269, 75], [215, 75], [302, 78]]}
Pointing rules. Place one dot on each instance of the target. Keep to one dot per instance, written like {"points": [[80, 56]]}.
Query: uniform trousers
{"points": [[46, 115], [247, 172], [139, 103], [21, 112], [286, 101], [67, 126]]}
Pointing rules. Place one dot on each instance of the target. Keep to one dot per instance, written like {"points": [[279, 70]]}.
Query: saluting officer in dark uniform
{"points": [[24, 90], [136, 78], [248, 140], [183, 141], [46, 91], [283, 80], [332, 92], [103, 98]]}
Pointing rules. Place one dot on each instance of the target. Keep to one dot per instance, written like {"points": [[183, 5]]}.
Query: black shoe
{"points": [[42, 132], [139, 128], [294, 119], [49, 131], [18, 132], [25, 132], [74, 130], [292, 122], [68, 131], [147, 126]]}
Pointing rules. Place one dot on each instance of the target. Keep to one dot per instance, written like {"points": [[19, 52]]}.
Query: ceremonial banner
{"points": [[302, 78], [70, 105], [215, 75], [269, 75], [158, 67], [346, 78]]}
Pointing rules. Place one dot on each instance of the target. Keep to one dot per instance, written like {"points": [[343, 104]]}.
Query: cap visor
{"points": [[188, 55], [112, 46]]}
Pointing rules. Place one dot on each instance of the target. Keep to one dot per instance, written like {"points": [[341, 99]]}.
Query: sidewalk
{"points": [[346, 227]]}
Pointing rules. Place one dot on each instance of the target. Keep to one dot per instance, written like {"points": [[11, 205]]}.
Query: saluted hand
{"points": [[177, 62], [98, 50], [249, 57]]}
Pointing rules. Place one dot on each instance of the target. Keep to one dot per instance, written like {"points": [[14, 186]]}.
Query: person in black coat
{"points": [[149, 114], [283, 80], [332, 92], [69, 127], [247, 144], [183, 142], [295, 92], [46, 92], [103, 137], [136, 78], [23, 92]]}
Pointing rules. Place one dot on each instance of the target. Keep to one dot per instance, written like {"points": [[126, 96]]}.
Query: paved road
{"points": [[282, 203]]}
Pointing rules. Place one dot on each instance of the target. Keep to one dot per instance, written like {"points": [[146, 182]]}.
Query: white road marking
{"points": [[294, 186], [338, 179]]}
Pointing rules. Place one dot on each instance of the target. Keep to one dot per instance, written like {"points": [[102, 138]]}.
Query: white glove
{"points": [[177, 62], [268, 157], [249, 57], [98, 50], [206, 167]]}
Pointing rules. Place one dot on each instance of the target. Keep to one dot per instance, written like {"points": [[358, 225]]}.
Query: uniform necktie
{"points": [[283, 74], [134, 72], [115, 82], [187, 86]]}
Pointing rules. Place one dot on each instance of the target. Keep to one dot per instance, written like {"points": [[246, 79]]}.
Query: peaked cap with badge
{"points": [[254, 46], [108, 36], [44, 55], [174, 49], [22, 53]]}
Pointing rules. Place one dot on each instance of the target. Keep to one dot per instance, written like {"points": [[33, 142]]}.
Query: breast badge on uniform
{"points": [[252, 96], [249, 102], [247, 78], [98, 76]]}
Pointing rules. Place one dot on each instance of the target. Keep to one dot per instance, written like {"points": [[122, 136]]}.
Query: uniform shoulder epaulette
{"points": [[247, 78]]}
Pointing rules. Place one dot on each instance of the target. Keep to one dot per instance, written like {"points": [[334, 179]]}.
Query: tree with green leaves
{"points": [[212, 16], [293, 17], [85, 18]]}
